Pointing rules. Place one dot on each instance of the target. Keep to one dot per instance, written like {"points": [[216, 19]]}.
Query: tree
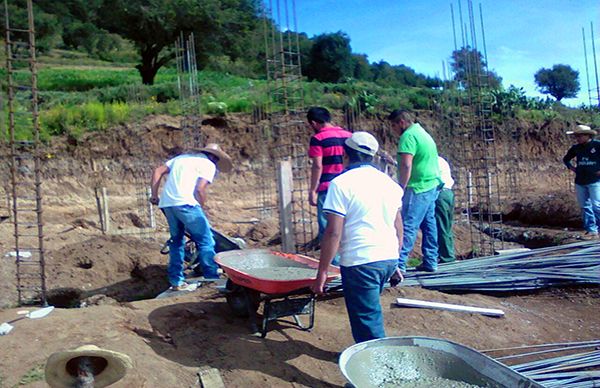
{"points": [[470, 69], [330, 58], [47, 27], [362, 68], [219, 26], [560, 82], [383, 73]]}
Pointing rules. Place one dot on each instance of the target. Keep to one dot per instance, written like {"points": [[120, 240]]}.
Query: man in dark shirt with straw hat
{"points": [[587, 176], [182, 200]]}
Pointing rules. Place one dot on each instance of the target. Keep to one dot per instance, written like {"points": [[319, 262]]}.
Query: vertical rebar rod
{"points": [[11, 139], [37, 146], [462, 29], [485, 56], [472, 24], [453, 26], [178, 62], [587, 70], [595, 63]]}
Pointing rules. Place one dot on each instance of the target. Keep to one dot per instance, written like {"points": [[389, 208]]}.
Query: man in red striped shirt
{"points": [[326, 151]]}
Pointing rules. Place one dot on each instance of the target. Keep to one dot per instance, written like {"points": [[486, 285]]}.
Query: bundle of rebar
{"points": [[578, 370], [567, 265]]}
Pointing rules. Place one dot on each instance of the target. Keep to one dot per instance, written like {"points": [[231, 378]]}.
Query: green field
{"points": [[78, 94]]}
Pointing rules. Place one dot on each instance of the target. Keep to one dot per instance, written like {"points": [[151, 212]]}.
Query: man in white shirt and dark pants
{"points": [[364, 221], [444, 214], [182, 200]]}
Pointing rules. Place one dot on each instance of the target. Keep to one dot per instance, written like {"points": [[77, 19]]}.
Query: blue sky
{"points": [[521, 36]]}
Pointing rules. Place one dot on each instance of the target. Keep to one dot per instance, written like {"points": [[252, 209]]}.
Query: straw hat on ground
{"points": [[108, 366], [224, 164], [582, 130]]}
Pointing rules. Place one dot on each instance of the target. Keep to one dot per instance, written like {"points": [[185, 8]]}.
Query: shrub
{"points": [[118, 113]]}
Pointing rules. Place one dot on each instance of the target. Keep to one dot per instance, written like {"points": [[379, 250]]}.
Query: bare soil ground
{"points": [[169, 339]]}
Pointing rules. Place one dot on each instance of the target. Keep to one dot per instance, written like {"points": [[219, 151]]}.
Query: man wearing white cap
{"points": [[364, 221], [182, 200], [587, 176]]}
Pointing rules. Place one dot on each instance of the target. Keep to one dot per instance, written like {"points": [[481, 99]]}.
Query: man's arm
{"points": [[329, 247], [157, 175], [399, 228], [404, 169], [567, 159], [200, 192], [397, 277], [315, 175]]}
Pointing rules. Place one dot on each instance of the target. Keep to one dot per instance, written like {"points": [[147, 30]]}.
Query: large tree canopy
{"points": [[229, 36], [470, 69], [330, 58], [220, 27], [560, 82]]}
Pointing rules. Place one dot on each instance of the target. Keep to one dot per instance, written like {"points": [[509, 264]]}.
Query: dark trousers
{"points": [[444, 215]]}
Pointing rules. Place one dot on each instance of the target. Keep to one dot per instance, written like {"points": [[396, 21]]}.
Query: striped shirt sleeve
{"points": [[315, 148]]}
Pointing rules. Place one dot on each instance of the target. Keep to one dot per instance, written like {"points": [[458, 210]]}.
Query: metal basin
{"points": [[424, 362]]}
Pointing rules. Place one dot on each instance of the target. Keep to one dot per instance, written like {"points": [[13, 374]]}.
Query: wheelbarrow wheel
{"points": [[238, 298]]}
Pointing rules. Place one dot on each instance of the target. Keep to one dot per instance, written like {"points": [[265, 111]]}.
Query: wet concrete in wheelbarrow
{"points": [[412, 367], [269, 266]]}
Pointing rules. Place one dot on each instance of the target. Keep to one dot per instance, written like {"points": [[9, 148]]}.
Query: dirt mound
{"points": [[123, 268], [551, 209], [265, 231]]}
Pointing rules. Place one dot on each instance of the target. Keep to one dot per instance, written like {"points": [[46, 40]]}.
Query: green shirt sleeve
{"points": [[407, 144]]}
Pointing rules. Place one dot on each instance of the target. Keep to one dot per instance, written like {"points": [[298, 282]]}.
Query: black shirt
{"points": [[588, 162]]}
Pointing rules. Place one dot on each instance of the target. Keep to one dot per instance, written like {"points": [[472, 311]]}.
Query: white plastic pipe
{"points": [[447, 306]]}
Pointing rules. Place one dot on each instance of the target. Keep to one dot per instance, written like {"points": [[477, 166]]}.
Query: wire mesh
{"points": [[285, 109], [477, 139], [24, 158], [187, 74]]}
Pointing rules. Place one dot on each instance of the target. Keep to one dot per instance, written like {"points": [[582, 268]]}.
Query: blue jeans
{"points": [[362, 286], [321, 217], [588, 197], [192, 219], [322, 221], [418, 211]]}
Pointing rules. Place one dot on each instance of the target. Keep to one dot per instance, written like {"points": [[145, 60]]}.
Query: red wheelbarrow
{"points": [[280, 281]]}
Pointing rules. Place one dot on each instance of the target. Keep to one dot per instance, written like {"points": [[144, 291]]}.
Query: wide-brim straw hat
{"points": [[582, 130], [108, 366], [224, 164]]}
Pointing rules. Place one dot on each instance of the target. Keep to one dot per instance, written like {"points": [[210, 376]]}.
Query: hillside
{"points": [[102, 128]]}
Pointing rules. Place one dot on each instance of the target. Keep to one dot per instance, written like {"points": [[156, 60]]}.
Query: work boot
{"points": [[422, 268], [589, 236]]}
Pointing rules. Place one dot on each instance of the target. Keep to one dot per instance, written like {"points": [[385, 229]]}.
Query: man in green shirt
{"points": [[419, 176]]}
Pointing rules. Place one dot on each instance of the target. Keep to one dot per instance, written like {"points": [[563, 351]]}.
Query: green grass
{"points": [[79, 94], [413, 262], [58, 57], [34, 374]]}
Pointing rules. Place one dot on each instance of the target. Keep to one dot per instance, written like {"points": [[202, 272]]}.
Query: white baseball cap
{"points": [[363, 142]]}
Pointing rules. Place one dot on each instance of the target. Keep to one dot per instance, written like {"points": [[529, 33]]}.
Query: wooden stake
{"points": [[285, 185], [105, 212]]}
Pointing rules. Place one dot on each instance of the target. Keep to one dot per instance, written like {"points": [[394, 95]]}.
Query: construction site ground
{"points": [[104, 284]]}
